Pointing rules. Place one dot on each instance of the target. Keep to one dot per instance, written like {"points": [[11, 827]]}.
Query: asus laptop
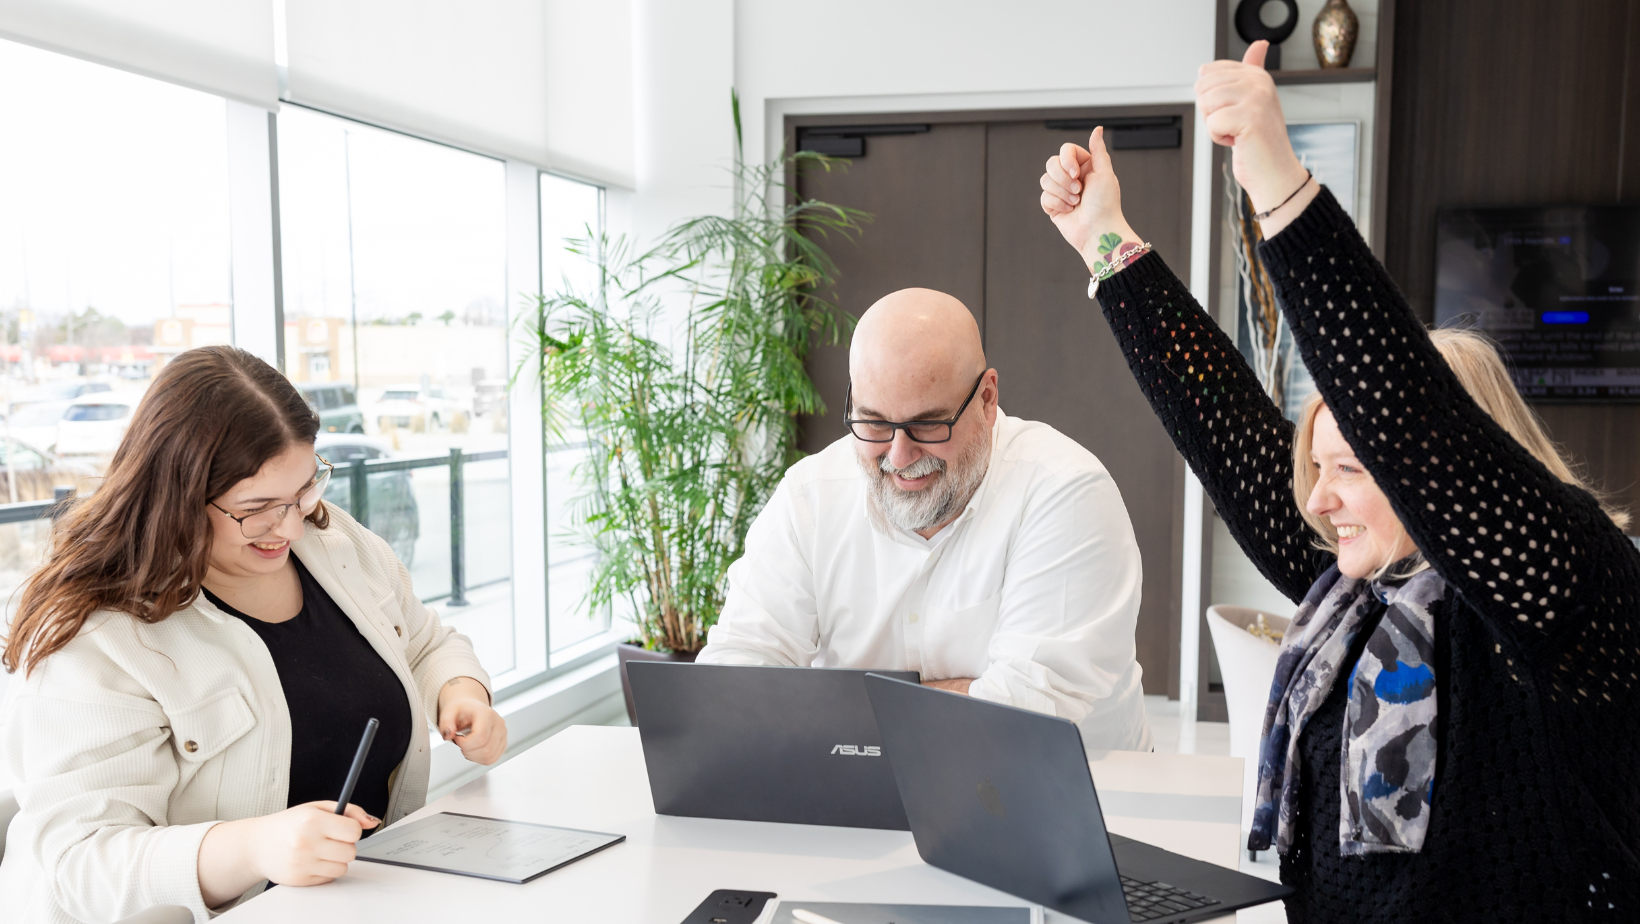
{"points": [[1004, 797], [790, 744]]}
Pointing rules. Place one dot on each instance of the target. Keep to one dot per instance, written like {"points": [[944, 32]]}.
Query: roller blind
{"points": [[589, 89], [219, 46], [545, 81], [469, 73]]}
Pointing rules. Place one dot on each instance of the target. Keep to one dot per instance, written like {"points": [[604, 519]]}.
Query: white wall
{"points": [[683, 70], [859, 56]]}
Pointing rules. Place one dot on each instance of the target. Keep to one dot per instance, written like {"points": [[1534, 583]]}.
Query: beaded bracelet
{"points": [[1118, 257], [1308, 176]]}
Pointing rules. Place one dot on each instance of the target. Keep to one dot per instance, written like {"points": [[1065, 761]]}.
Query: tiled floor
{"points": [[1173, 736]]}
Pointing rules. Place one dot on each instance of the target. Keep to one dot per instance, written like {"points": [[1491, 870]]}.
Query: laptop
{"points": [[1004, 797], [788, 744]]}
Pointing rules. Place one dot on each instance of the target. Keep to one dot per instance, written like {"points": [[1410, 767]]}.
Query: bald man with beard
{"points": [[993, 555]]}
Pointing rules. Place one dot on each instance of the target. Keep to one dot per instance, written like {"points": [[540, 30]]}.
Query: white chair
{"points": [[8, 811], [159, 914], [1248, 664]]}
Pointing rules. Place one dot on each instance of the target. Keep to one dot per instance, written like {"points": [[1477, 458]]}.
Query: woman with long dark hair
{"points": [[1454, 729], [199, 655]]}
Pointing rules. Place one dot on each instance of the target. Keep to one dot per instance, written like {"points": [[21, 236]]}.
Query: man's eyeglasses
{"points": [[259, 524], [920, 431]]}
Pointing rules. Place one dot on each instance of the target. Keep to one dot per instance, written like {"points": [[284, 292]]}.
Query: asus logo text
{"points": [[864, 750]]}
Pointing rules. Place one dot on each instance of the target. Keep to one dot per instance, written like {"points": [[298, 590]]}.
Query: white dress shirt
{"points": [[1033, 590]]}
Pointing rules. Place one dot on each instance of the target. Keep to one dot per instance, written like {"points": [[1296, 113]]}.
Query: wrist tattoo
{"points": [[1113, 248], [1118, 255]]}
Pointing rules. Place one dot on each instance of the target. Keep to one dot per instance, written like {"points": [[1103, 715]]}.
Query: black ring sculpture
{"points": [[1251, 28]]}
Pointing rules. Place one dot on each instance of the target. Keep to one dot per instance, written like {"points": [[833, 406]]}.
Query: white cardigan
{"points": [[133, 740]]}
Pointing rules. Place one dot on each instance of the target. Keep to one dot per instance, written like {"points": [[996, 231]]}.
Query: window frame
{"points": [[259, 327]]}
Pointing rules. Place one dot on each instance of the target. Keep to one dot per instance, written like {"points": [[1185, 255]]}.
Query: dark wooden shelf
{"points": [[1327, 75]]}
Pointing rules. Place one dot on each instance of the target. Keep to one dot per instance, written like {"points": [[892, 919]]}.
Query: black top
{"points": [[1536, 807], [334, 684]]}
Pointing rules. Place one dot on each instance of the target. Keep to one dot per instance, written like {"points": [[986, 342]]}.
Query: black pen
{"points": [[358, 765]]}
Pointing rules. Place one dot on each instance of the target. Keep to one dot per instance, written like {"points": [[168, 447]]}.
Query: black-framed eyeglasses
{"points": [[920, 431], [259, 524]]}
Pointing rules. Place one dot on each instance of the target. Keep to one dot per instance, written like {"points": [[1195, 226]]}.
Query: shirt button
{"points": [[399, 630], [190, 746], [913, 617]]}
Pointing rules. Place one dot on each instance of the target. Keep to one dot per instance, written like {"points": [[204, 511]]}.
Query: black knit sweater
{"points": [[1536, 806]]}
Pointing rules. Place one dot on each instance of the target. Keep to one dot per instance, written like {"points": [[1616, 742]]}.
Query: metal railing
{"points": [[30, 510], [358, 473]]}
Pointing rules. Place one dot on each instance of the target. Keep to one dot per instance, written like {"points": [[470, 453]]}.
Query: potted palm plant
{"points": [[682, 367]]}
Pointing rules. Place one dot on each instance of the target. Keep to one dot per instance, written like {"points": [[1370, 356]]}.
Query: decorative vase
{"points": [[629, 651], [1336, 30]]}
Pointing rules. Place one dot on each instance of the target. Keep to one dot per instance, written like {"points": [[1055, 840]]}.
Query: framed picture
{"points": [[1330, 151]]}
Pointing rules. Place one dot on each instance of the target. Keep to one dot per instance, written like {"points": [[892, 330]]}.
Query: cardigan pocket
{"points": [[203, 730]]}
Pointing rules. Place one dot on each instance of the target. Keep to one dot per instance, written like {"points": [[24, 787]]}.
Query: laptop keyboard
{"points": [[1148, 901]]}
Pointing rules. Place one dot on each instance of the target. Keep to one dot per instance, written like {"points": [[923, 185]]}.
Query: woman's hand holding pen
{"points": [[302, 846], [1240, 107], [466, 717]]}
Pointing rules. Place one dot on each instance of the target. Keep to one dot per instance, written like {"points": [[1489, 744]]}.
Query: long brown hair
{"points": [[141, 543]]}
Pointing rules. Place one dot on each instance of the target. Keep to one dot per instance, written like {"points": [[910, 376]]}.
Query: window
{"points": [[114, 256], [570, 211], [117, 252], [394, 258]]}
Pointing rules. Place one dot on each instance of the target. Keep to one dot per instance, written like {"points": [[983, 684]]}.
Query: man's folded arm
{"points": [[769, 614], [1070, 603]]}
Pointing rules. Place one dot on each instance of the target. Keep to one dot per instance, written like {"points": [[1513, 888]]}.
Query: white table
{"points": [[593, 778]]}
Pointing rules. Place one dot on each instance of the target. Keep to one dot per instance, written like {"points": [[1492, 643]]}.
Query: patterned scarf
{"points": [[1388, 757]]}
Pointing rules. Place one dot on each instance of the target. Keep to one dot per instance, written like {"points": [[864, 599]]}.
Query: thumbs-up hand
{"points": [[1241, 110], [1081, 195]]}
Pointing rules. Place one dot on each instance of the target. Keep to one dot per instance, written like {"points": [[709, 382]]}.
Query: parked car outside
{"points": [[94, 424], [28, 473], [336, 404], [63, 391], [393, 514], [410, 407], [488, 394], [35, 424]]}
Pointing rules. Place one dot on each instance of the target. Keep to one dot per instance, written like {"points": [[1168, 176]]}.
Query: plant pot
{"points": [[626, 651]]}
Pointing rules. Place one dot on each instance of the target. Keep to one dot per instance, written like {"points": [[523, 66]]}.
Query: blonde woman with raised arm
{"points": [[1454, 729]]}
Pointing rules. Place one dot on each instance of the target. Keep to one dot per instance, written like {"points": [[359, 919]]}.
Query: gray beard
{"points": [[919, 510]]}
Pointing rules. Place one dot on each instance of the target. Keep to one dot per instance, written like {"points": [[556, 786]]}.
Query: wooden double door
{"points": [[954, 200]]}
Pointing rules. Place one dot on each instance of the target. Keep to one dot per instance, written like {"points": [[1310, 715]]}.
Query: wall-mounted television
{"points": [[1557, 287]]}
